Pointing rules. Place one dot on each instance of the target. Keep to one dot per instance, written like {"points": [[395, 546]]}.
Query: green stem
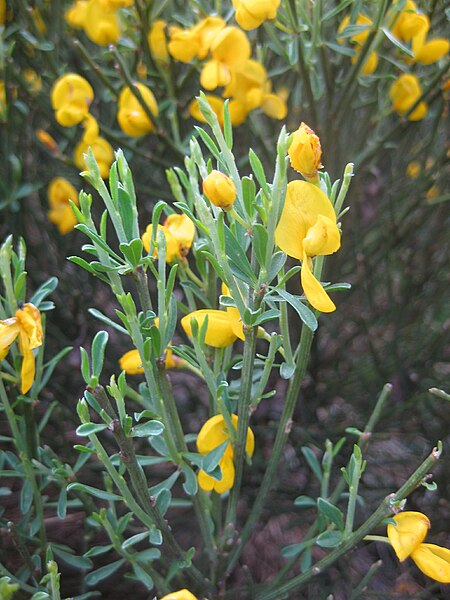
{"points": [[278, 447], [140, 277], [95, 67], [244, 402]]}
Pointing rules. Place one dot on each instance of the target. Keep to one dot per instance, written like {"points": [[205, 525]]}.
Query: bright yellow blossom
{"points": [[406, 537], [213, 433], [206, 31], [179, 232], [103, 153], [252, 13], [308, 228], [404, 93], [132, 117], [59, 192], [219, 189], [370, 63], [215, 103], [305, 152], [157, 42], [183, 594], [71, 97], [101, 24], [229, 51], [26, 325], [224, 327]]}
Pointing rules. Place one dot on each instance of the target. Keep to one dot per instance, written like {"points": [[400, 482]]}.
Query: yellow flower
{"points": [[413, 169], [184, 44], [131, 362], [206, 31], [229, 51], [59, 192], [223, 326], [103, 153], [33, 80], [26, 325], [370, 63], [133, 119], [404, 92], [101, 24], [157, 42], [220, 190], [2, 12], [358, 38], [252, 13], [213, 433], [409, 22], [406, 538], [179, 232], [305, 152], [274, 106], [183, 594], [307, 228], [71, 97], [429, 52], [76, 14], [91, 129]]}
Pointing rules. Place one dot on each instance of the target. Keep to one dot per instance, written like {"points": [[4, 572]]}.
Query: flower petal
{"points": [[434, 561], [316, 295], [219, 333]]}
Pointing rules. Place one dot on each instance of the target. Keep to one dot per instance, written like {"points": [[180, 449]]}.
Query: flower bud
{"points": [[305, 152], [220, 190]]}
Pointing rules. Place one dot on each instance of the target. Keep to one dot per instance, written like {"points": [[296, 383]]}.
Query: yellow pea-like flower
{"points": [[59, 192], [370, 63], [214, 433], [220, 190], [252, 13], [406, 538], [308, 228], [132, 117], [183, 594], [101, 24], [305, 152], [220, 332], [71, 97], [404, 93], [157, 42], [179, 232], [231, 47], [26, 325], [76, 14], [206, 31], [184, 44]]}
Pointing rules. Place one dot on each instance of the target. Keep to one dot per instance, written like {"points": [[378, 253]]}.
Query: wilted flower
{"points": [[132, 117], [71, 97], [307, 228], [404, 93], [406, 538], [179, 232], [47, 141], [183, 594], [305, 152], [220, 190], [252, 13], [103, 153], [213, 433], [59, 192], [26, 325]]}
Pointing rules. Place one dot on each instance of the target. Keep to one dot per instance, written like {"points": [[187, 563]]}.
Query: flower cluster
{"points": [[99, 19], [25, 325], [178, 231], [406, 537], [71, 97], [228, 64], [411, 28], [214, 433]]}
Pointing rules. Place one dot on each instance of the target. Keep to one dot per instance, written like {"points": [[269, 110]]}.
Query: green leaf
{"points": [[43, 291], [331, 512], [106, 320], [132, 251], [312, 461], [248, 195], [239, 263], [305, 314], [81, 487], [143, 577], [26, 497], [329, 539], [146, 429], [79, 562], [212, 459], [98, 550], [98, 352], [276, 264], [134, 539], [304, 502], [258, 170], [190, 484], [89, 428], [61, 509], [85, 370], [397, 43], [163, 501], [227, 127], [99, 574], [127, 212], [207, 140], [260, 240]]}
